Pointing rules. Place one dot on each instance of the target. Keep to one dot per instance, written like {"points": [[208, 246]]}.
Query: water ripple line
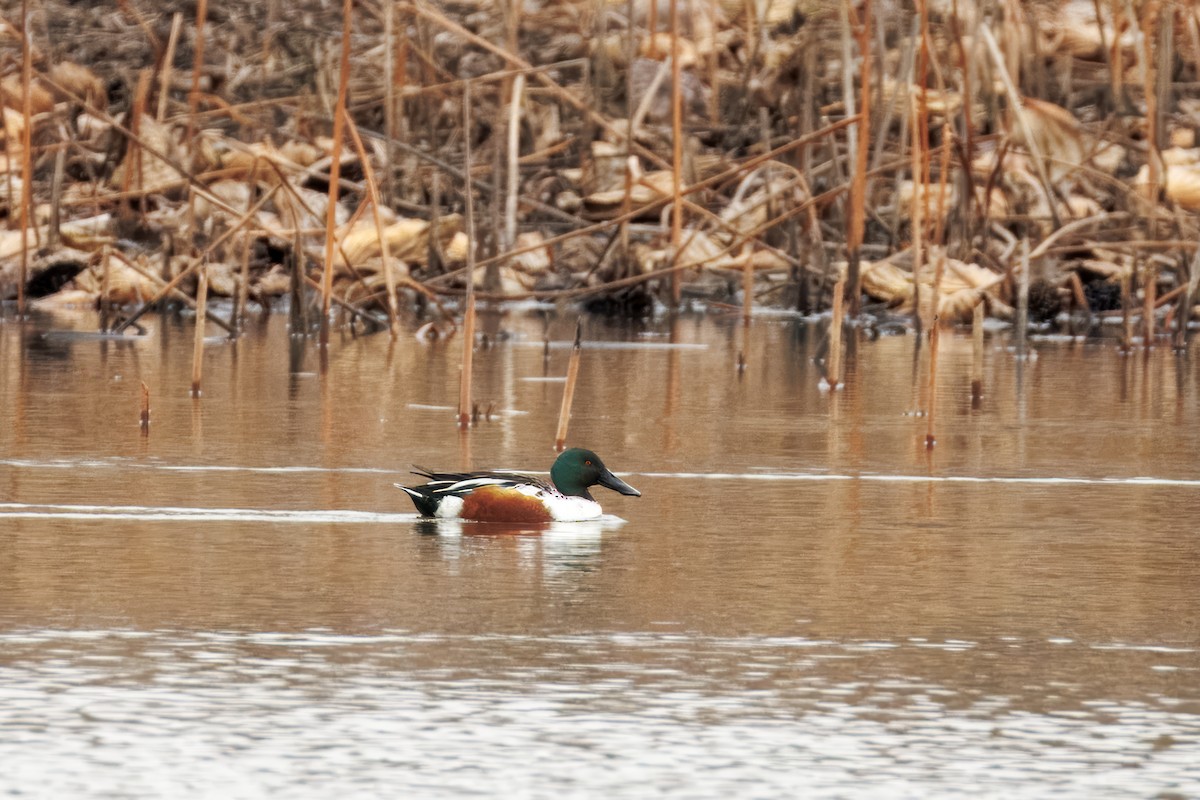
{"points": [[185, 514], [871, 477]]}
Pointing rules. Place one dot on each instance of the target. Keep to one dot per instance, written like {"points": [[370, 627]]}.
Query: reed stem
{"points": [[930, 441], [977, 353], [1126, 312], [858, 186], [833, 364], [676, 154], [514, 170], [145, 414], [193, 107], [389, 277], [464, 384], [564, 412], [198, 342], [464, 387], [1149, 301], [1023, 300], [168, 64], [26, 150], [335, 166], [238, 318]]}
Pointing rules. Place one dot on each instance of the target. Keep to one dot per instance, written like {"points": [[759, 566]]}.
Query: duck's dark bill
{"points": [[610, 481]]}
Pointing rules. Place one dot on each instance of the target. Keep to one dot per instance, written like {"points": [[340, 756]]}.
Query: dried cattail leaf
{"points": [[237, 195], [76, 80], [658, 48], [772, 13], [1072, 29], [1180, 183], [1057, 135], [1181, 156], [535, 262], [1182, 137], [222, 278], [961, 287], [246, 161], [407, 240], [648, 188], [41, 101], [274, 283], [125, 285], [143, 170], [456, 250]]}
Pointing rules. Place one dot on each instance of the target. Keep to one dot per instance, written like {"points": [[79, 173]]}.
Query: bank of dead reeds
{"points": [[794, 142]]}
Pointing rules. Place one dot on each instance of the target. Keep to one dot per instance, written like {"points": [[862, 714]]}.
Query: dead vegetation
{"points": [[933, 156]]}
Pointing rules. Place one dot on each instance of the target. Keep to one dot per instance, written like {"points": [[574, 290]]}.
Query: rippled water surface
{"points": [[804, 602]]}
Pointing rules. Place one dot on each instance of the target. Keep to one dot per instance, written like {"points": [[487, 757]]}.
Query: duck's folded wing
{"points": [[461, 482]]}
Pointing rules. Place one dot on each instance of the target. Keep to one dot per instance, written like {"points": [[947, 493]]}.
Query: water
{"points": [[804, 602]]}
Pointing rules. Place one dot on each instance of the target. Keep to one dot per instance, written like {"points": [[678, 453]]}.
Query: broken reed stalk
{"points": [[335, 164], [747, 308], [930, 441], [1022, 119], [1149, 298], [198, 343], [1023, 300], [676, 154], [858, 186], [56, 190], [145, 415], [564, 412], [389, 92], [1149, 38], [389, 277], [833, 364], [1127, 311], [977, 352], [748, 288], [105, 286], [164, 78], [514, 170], [1185, 302], [464, 386], [920, 159], [26, 150], [238, 320], [193, 95], [193, 107]]}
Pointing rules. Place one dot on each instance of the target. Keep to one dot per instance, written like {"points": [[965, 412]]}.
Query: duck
{"points": [[509, 497]]}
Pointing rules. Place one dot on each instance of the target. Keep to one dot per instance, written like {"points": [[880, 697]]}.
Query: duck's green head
{"points": [[577, 469]]}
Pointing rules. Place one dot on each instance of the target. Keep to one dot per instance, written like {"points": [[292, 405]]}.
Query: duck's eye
{"points": [[587, 463]]}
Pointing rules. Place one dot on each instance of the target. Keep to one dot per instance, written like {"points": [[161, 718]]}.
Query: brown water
{"points": [[802, 603]]}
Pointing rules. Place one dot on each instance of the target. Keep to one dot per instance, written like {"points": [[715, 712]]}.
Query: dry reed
{"points": [[930, 417], [144, 417], [198, 341], [977, 353], [676, 153], [833, 363], [464, 388], [389, 276], [335, 165], [1022, 331], [26, 151], [564, 411]]}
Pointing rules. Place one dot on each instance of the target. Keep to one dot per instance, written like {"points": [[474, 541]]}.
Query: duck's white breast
{"points": [[570, 509]]}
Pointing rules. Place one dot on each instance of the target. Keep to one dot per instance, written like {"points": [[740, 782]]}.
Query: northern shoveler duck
{"points": [[508, 497]]}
